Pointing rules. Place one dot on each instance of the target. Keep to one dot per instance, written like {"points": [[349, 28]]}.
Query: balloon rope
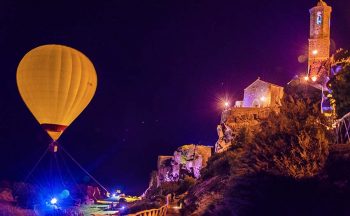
{"points": [[52, 181], [85, 171], [33, 169], [36, 165], [59, 170], [70, 173]]}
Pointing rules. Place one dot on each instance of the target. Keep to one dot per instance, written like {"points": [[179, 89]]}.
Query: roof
{"points": [[322, 3], [259, 80]]}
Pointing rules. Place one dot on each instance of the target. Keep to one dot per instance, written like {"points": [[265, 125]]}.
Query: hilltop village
{"points": [[260, 99], [283, 131]]}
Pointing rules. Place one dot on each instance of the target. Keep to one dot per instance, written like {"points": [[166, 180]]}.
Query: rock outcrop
{"points": [[187, 160]]}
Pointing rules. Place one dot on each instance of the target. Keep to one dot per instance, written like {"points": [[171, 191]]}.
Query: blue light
{"points": [[115, 196], [53, 201]]}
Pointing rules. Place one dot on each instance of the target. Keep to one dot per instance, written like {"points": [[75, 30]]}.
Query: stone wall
{"points": [[260, 98], [233, 120]]}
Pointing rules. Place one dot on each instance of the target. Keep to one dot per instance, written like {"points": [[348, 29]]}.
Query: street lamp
{"points": [[227, 104]]}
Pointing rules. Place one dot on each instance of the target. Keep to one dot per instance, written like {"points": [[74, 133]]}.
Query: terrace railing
{"points": [[162, 211], [343, 130], [152, 212]]}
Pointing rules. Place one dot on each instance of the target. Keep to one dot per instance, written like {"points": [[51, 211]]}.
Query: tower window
{"points": [[319, 18]]}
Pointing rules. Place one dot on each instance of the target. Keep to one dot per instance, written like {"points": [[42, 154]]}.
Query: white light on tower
{"points": [[313, 78], [306, 78], [314, 52], [263, 98]]}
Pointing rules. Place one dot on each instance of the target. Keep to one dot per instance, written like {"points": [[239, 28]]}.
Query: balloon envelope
{"points": [[56, 83]]}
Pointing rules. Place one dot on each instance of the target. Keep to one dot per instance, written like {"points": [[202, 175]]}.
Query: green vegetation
{"points": [[340, 83], [176, 188], [293, 142]]}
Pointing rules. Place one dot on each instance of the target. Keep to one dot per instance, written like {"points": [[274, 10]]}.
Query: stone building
{"points": [[319, 41], [261, 94], [187, 160], [260, 98], [319, 61]]}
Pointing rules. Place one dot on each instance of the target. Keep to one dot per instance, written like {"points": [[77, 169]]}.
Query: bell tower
{"points": [[319, 41]]}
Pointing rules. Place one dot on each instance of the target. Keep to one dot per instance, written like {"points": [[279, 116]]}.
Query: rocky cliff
{"points": [[187, 160]]}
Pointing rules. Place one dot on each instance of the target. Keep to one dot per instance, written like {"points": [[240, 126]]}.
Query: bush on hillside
{"points": [[293, 142], [185, 184]]}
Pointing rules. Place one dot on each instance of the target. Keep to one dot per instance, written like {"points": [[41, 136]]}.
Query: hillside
{"points": [[288, 167]]}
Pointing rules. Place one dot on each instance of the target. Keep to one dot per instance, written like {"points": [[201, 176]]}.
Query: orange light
{"points": [[314, 52], [313, 78], [306, 78], [263, 98]]}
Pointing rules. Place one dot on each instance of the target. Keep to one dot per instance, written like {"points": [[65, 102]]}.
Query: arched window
{"points": [[256, 103]]}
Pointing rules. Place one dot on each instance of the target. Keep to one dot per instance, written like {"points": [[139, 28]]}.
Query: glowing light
{"points": [[263, 98], [314, 52], [223, 102], [313, 78], [53, 201], [227, 104], [306, 78], [64, 194]]}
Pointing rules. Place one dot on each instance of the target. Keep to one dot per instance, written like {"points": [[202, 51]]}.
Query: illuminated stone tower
{"points": [[319, 41]]}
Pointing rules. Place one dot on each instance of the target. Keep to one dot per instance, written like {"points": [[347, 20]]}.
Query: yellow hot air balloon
{"points": [[56, 83]]}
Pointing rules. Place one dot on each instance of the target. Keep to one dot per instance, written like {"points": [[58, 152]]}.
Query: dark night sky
{"points": [[161, 66]]}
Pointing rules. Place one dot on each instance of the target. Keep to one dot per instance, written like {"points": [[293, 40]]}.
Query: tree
{"points": [[293, 142], [340, 82]]}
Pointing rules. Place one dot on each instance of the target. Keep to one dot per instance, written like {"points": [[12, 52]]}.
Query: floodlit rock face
{"points": [[165, 169], [187, 160], [190, 159]]}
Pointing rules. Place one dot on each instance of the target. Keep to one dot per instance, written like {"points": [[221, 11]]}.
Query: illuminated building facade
{"points": [[319, 41], [261, 94]]}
